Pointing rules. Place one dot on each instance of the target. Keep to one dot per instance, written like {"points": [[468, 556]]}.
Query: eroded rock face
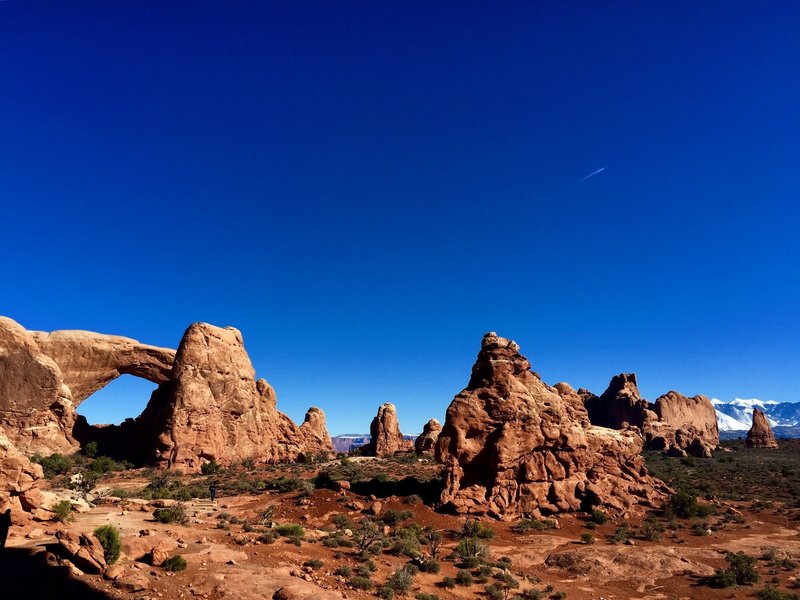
{"points": [[760, 434], [513, 445], [214, 409], [620, 404], [426, 442], [208, 405], [675, 424], [385, 432], [19, 481], [36, 409], [684, 426]]}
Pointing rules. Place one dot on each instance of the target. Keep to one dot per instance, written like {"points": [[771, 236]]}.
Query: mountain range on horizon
{"points": [[737, 415]]}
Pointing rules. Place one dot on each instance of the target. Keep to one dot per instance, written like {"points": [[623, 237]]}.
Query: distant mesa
{"points": [[385, 436], [676, 424], [512, 445], [760, 434], [208, 405]]}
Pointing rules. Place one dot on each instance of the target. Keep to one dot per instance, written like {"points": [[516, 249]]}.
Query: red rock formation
{"points": [[214, 409], [36, 407], [316, 440], [684, 426], [512, 445], [426, 442], [19, 482], [620, 404], [90, 361], [675, 424], [760, 434], [385, 431]]}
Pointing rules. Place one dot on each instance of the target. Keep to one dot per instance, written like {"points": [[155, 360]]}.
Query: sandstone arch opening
{"points": [[123, 398]]}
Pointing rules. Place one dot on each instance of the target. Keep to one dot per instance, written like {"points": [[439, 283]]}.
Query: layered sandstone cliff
{"points": [[513, 445]]}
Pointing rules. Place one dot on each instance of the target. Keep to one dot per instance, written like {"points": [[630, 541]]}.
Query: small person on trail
{"points": [[5, 525], [212, 490]]}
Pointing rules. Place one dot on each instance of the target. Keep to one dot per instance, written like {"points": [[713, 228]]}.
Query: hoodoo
{"points": [[384, 430], [426, 442], [513, 445], [760, 434]]}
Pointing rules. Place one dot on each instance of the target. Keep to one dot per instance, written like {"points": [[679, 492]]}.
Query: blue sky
{"points": [[365, 188]]}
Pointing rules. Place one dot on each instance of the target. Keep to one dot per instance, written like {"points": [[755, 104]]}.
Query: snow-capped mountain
{"points": [[737, 415]]}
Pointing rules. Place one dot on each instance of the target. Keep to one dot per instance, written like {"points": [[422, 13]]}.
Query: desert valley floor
{"points": [[293, 531]]}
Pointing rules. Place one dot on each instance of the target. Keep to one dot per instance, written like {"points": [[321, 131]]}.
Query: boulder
{"points": [[84, 551], [760, 434], [386, 438], [512, 445], [426, 442]]}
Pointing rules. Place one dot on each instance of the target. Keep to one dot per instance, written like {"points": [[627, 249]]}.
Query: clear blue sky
{"points": [[365, 188]]}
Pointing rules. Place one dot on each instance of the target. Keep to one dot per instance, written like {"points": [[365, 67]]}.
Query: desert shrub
{"points": [[367, 534], [530, 594], [599, 517], [652, 530], [471, 548], [290, 530], [590, 525], [771, 593], [621, 535], [504, 562], [90, 449], [558, 596], [360, 583], [473, 528], [84, 482], [386, 593], [63, 511], [249, 463], [174, 563], [287, 484], [171, 514], [343, 571], [587, 538], [393, 516], [105, 464], [741, 571], [683, 504], [109, 539], [400, 581], [434, 541], [464, 577], [423, 596], [342, 521], [119, 492], [412, 500], [314, 563], [526, 525], [268, 537], [405, 542], [448, 583], [429, 565], [210, 468], [53, 465]]}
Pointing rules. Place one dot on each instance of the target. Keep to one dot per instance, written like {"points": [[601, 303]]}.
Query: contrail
{"points": [[592, 174]]}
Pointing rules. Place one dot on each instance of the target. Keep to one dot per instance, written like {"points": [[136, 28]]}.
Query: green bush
{"points": [[174, 563], [423, 596], [210, 468], [464, 577], [741, 571], [314, 563], [473, 528], [171, 514], [471, 548], [448, 583], [290, 530], [599, 517], [53, 465], [771, 593], [104, 464], [108, 535], [90, 449], [621, 535], [343, 571], [526, 525], [429, 565], [683, 504], [393, 516], [587, 538], [63, 511], [360, 583], [400, 581]]}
